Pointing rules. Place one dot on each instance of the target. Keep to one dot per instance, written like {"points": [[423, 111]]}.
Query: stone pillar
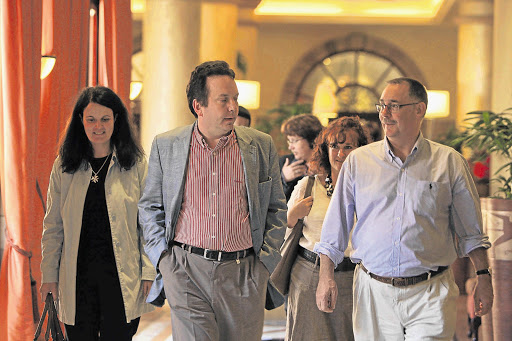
{"points": [[474, 59], [247, 41], [218, 31], [502, 71], [171, 38]]}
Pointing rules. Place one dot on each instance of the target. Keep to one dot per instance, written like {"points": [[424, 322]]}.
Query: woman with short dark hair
{"points": [[301, 132]]}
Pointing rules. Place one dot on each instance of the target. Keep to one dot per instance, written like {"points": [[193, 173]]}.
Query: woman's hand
{"points": [[293, 170], [146, 287], [299, 211], [49, 287]]}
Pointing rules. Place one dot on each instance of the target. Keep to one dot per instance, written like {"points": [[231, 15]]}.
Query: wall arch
{"points": [[359, 42]]}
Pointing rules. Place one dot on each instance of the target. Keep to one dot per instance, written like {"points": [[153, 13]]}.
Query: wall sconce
{"points": [[135, 89], [138, 6], [248, 94], [438, 104], [47, 64]]}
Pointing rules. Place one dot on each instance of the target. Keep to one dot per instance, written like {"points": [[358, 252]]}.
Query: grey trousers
{"points": [[212, 300], [304, 321]]}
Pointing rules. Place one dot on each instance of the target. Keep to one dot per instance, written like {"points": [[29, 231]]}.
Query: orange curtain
{"points": [[20, 47], [65, 35], [115, 47]]}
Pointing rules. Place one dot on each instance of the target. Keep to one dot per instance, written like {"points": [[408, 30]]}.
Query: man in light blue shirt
{"points": [[416, 209]]}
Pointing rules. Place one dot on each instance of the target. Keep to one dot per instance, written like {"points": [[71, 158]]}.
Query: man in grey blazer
{"points": [[214, 214]]}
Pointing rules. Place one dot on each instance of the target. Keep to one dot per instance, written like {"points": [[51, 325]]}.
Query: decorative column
{"points": [[219, 20], [499, 216], [474, 57], [171, 38], [247, 37]]}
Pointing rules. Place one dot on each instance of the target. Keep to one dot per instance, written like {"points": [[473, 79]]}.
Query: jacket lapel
{"points": [[251, 167]]}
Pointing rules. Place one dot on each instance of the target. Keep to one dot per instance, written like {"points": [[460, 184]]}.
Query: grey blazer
{"points": [[160, 204]]}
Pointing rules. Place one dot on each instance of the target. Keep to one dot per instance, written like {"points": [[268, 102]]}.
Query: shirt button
{"points": [[214, 173], [396, 243], [213, 215], [397, 218], [213, 194], [403, 170]]}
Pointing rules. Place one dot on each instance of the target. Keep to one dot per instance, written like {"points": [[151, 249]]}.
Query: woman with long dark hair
{"points": [[304, 321], [93, 260]]}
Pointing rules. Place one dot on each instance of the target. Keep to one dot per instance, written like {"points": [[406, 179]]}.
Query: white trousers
{"points": [[424, 311]]}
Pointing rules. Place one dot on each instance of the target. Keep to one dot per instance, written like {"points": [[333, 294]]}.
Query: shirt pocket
{"points": [[430, 198]]}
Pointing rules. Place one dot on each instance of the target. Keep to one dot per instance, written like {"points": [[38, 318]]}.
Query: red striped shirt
{"points": [[214, 212]]}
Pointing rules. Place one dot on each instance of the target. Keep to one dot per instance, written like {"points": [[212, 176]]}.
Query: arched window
{"points": [[346, 76]]}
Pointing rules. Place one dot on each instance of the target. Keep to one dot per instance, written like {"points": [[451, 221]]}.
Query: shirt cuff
{"points": [[470, 243], [336, 256]]}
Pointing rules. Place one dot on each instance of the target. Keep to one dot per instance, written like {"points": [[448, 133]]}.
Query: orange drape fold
{"points": [[66, 24], [33, 114], [20, 23], [115, 47]]}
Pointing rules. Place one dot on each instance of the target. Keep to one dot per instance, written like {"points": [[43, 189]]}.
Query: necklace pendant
{"points": [[95, 179]]}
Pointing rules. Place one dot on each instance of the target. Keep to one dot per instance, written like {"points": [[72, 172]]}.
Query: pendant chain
{"points": [[95, 178]]}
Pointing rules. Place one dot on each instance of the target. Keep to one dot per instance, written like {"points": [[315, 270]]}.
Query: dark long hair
{"points": [[76, 148], [335, 131]]}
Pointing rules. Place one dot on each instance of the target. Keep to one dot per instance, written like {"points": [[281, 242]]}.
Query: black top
{"points": [[95, 237], [290, 185]]}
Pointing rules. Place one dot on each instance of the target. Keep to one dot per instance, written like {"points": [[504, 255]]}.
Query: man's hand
{"points": [[483, 295], [327, 290], [49, 287], [483, 291], [146, 287], [293, 170]]}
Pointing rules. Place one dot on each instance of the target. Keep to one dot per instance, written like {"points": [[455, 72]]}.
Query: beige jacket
{"points": [[61, 234]]}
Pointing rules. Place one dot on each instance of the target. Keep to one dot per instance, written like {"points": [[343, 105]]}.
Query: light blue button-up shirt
{"points": [[411, 217]]}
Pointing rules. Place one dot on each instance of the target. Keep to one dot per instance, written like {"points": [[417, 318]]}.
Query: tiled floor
{"points": [[156, 326]]}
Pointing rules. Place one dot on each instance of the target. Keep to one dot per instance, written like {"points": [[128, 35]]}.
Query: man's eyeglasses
{"points": [[393, 107], [290, 142]]}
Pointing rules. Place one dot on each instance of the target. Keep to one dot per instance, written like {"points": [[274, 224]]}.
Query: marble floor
{"points": [[156, 326]]}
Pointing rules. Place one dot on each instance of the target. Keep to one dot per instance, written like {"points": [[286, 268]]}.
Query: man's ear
{"points": [[421, 109], [198, 108]]}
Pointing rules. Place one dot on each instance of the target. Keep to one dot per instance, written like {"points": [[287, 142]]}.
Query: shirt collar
{"points": [[418, 145], [224, 140]]}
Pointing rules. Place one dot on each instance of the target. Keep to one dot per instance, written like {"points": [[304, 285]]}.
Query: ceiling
{"points": [[353, 11]]}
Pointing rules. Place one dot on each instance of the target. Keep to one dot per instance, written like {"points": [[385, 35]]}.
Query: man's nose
{"points": [[232, 105]]}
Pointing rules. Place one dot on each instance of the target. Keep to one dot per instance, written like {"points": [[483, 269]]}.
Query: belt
{"points": [[215, 255], [405, 281], [345, 265]]}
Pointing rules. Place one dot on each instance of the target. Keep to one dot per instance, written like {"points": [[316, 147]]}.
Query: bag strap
{"points": [[53, 321], [309, 186], [53, 328], [43, 316]]}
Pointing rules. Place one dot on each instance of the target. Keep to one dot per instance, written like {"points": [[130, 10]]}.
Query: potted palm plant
{"points": [[492, 132]]}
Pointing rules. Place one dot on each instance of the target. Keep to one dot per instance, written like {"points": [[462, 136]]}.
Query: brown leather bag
{"points": [[281, 276]]}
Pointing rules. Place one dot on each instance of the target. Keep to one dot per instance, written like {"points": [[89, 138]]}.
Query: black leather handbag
{"points": [[53, 328]]}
